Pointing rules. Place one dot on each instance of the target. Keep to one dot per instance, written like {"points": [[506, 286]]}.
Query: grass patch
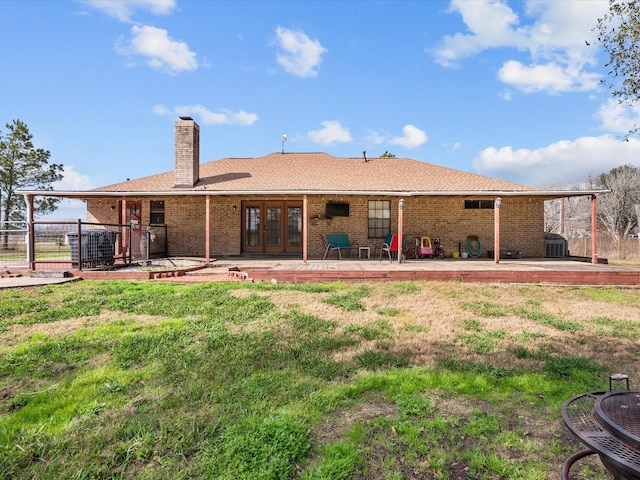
{"points": [[350, 300], [613, 295], [617, 328], [533, 311], [161, 380], [486, 309], [376, 330]]}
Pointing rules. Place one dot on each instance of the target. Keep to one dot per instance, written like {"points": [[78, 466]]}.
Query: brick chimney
{"points": [[187, 152]]}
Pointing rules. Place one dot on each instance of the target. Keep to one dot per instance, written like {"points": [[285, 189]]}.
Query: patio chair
{"points": [[329, 247], [391, 248], [386, 243], [342, 242]]}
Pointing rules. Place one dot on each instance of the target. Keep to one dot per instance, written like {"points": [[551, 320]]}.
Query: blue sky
{"points": [[510, 90]]}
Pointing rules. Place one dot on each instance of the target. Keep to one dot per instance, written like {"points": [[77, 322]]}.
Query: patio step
{"points": [[49, 274]]}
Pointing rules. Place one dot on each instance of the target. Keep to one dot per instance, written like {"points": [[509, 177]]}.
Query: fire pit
{"points": [[608, 423]]}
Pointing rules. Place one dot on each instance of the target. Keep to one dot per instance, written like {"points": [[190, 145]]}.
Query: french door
{"points": [[272, 227]]}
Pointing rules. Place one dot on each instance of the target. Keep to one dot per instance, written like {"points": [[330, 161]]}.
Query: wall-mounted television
{"points": [[334, 209], [337, 209]]}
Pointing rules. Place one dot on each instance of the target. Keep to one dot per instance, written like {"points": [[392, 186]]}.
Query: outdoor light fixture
{"points": [[401, 203], [498, 202]]}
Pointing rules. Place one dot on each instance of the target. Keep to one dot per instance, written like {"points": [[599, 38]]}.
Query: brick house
{"points": [[281, 204]]}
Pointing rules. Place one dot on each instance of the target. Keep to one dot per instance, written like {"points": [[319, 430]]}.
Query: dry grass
{"points": [[428, 321]]}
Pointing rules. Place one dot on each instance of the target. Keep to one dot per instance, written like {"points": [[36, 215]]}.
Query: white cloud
{"points": [[554, 40], [561, 162], [505, 94], [123, 10], [299, 55], [551, 77], [491, 24], [331, 132], [618, 117], [161, 110], [70, 209], [72, 180], [162, 52], [412, 137], [207, 117], [375, 138]]}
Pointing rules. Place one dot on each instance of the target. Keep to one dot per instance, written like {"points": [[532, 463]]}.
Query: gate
{"points": [[13, 244]]}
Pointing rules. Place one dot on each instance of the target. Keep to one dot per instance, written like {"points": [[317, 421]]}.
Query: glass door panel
{"points": [[252, 234], [294, 227], [274, 227]]}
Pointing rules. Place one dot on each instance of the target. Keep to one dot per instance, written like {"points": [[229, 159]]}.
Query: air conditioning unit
{"points": [[555, 246]]}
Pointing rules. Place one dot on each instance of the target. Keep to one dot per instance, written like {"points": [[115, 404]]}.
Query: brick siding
{"points": [[521, 222], [187, 153]]}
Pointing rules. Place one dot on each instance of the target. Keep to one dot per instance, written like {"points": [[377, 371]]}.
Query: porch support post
{"points": [[123, 235], [207, 225], [31, 239], [561, 226], [496, 229], [400, 221], [305, 228], [594, 231]]}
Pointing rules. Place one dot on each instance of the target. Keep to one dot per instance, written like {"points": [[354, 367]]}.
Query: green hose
{"points": [[474, 252]]}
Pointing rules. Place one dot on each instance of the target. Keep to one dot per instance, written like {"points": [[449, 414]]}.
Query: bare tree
{"points": [[574, 211], [552, 210], [619, 34], [616, 210]]}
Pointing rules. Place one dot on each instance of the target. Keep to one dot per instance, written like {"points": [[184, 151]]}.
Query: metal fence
{"points": [[78, 245], [13, 241]]}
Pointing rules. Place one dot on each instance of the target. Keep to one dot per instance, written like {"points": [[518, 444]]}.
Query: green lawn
{"points": [[368, 381]]}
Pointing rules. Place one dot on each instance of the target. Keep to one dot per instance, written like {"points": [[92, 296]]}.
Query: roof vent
{"points": [[364, 156]]}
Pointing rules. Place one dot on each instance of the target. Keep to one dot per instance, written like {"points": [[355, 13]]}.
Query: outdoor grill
{"points": [[608, 423]]}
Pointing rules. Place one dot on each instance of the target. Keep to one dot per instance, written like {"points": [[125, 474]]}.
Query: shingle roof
{"points": [[320, 172]]}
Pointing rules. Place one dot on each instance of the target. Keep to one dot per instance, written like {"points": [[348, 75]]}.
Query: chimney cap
{"points": [[186, 118]]}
